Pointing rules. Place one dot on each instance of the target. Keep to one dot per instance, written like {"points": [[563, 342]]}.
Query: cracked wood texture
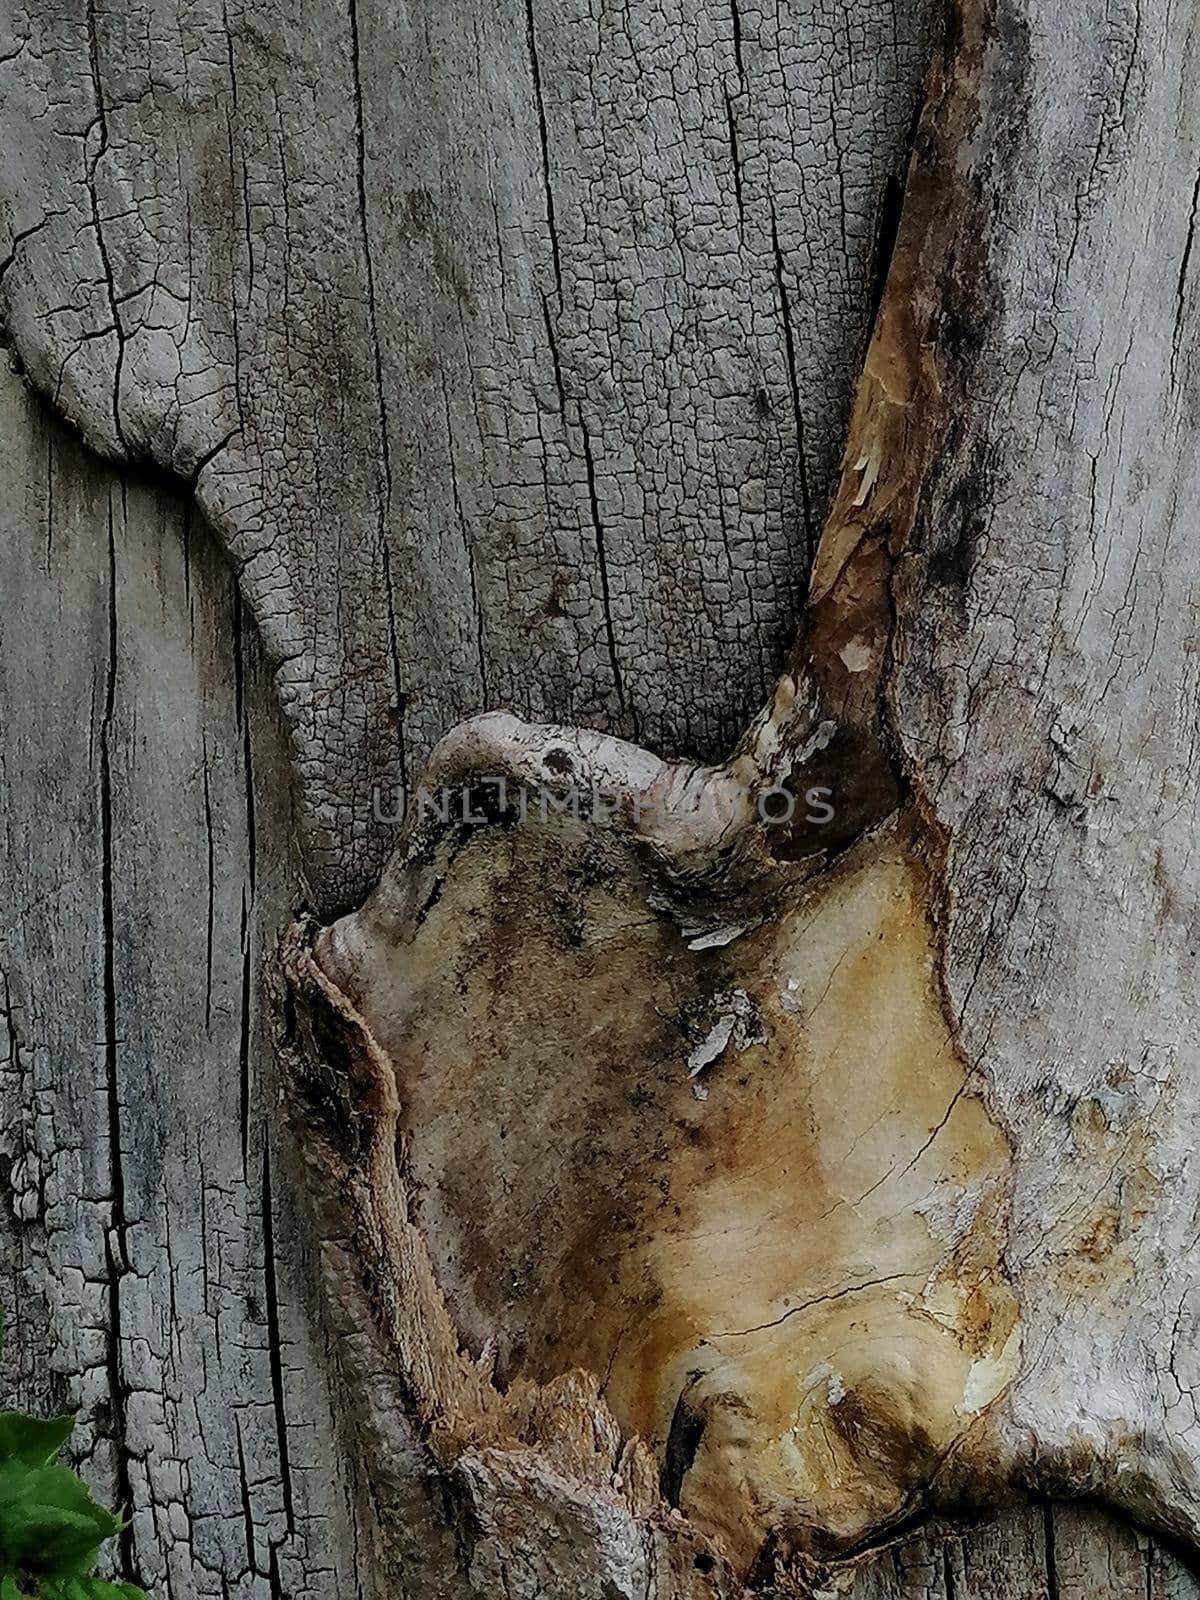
{"points": [[201, 1378], [508, 347], [508, 353], [201, 1386], [153, 1273]]}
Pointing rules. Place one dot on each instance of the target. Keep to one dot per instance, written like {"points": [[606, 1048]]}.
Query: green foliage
{"points": [[51, 1529]]}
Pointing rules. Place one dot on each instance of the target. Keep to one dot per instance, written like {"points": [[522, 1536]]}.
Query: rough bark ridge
{"points": [[810, 1304]]}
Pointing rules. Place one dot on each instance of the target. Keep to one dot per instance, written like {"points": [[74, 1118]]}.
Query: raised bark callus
{"points": [[837, 1181]]}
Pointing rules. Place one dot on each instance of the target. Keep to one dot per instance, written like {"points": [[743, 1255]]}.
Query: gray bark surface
{"points": [[509, 357], [154, 1276], [161, 1320], [508, 348], [1047, 702]]}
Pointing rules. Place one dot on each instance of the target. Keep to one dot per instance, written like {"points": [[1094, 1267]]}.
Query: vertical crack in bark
{"points": [[1184, 266], [101, 244], [556, 363], [49, 492], [275, 1346], [247, 1502], [544, 134], [811, 534], [468, 547], [1051, 1547], [245, 1031], [211, 884], [602, 565], [116, 1244], [735, 158], [249, 891], [736, 17]]}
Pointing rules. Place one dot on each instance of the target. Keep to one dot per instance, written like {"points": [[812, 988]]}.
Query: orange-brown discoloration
{"points": [[808, 1255]]}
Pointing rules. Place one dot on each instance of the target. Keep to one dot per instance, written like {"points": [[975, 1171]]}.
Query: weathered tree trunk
{"points": [[703, 1194]]}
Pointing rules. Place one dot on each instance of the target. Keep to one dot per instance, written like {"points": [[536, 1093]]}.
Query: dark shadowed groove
{"points": [[1051, 1550], [811, 531], [273, 1344], [544, 132], [211, 885], [116, 1240], [601, 559]]}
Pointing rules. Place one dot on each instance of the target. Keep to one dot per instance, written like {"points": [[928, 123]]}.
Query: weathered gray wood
{"points": [[188, 1494], [1039, 685], [510, 344], [1047, 704], [153, 1274]]}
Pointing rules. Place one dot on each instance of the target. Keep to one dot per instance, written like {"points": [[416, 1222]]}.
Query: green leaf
{"points": [[84, 1589], [32, 1440], [51, 1529], [49, 1522]]}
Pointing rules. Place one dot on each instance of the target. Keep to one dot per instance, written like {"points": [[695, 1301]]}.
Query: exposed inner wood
{"points": [[799, 1243]]}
